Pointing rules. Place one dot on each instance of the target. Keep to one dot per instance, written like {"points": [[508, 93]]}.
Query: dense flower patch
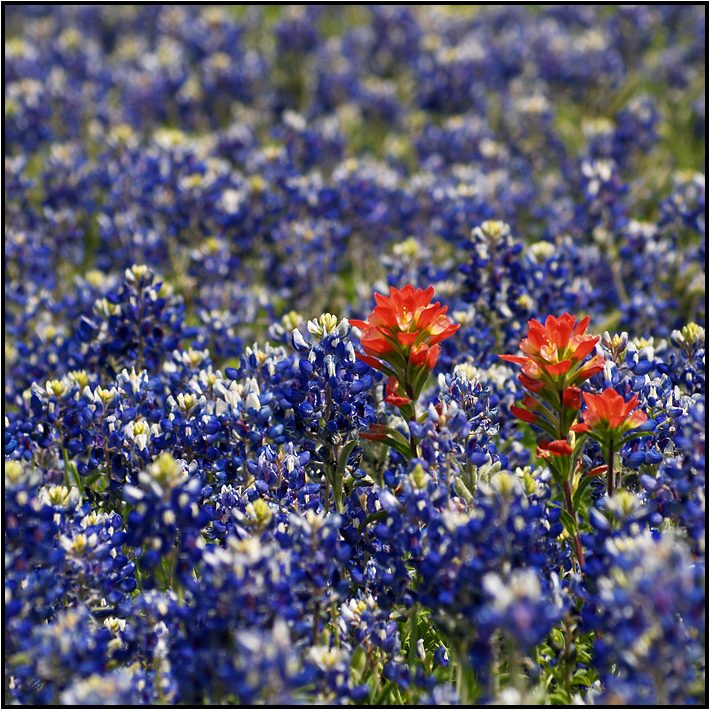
{"points": [[229, 478]]}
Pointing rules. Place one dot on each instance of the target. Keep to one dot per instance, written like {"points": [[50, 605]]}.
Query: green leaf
{"points": [[379, 515], [632, 436], [559, 698], [556, 475], [396, 435], [407, 411], [558, 639], [462, 490], [547, 427], [550, 397], [568, 522], [419, 381], [402, 447], [580, 441], [358, 664], [92, 478], [391, 433], [580, 678], [395, 357], [550, 416], [582, 486], [345, 454]]}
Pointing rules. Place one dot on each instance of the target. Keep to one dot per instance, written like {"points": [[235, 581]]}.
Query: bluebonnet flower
{"points": [[186, 188], [652, 611], [118, 687], [50, 655]]}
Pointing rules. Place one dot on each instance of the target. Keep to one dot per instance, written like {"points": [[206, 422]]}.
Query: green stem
{"points": [[412, 440], [413, 639], [566, 486], [334, 621], [513, 663], [158, 681], [327, 490], [461, 674], [568, 660], [619, 281], [413, 636], [374, 665], [495, 666], [65, 456], [77, 477], [570, 509], [610, 471], [316, 620]]}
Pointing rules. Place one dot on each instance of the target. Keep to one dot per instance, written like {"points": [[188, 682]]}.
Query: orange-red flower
{"points": [[610, 410], [406, 323], [553, 365], [572, 398], [524, 414], [555, 351], [424, 356], [377, 432], [401, 339], [559, 447], [393, 393]]}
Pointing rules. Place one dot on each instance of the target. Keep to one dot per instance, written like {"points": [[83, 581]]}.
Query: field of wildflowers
{"points": [[355, 354]]}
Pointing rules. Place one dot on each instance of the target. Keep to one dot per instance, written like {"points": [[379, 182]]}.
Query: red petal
{"points": [[558, 447], [377, 345], [423, 298], [631, 404], [572, 398], [596, 364], [514, 358], [525, 414], [560, 331], [419, 354], [583, 349], [636, 419], [406, 339], [369, 360], [591, 419], [532, 369], [537, 335], [433, 356], [531, 403], [582, 326], [392, 395], [559, 368], [376, 432], [532, 385], [382, 300]]}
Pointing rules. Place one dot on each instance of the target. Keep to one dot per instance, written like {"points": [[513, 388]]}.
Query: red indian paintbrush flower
{"points": [[555, 352], [401, 338], [608, 420], [559, 447], [553, 366], [393, 394], [609, 410], [406, 322]]}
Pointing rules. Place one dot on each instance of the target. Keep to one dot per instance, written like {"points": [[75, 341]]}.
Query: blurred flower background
{"points": [[200, 202]]}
